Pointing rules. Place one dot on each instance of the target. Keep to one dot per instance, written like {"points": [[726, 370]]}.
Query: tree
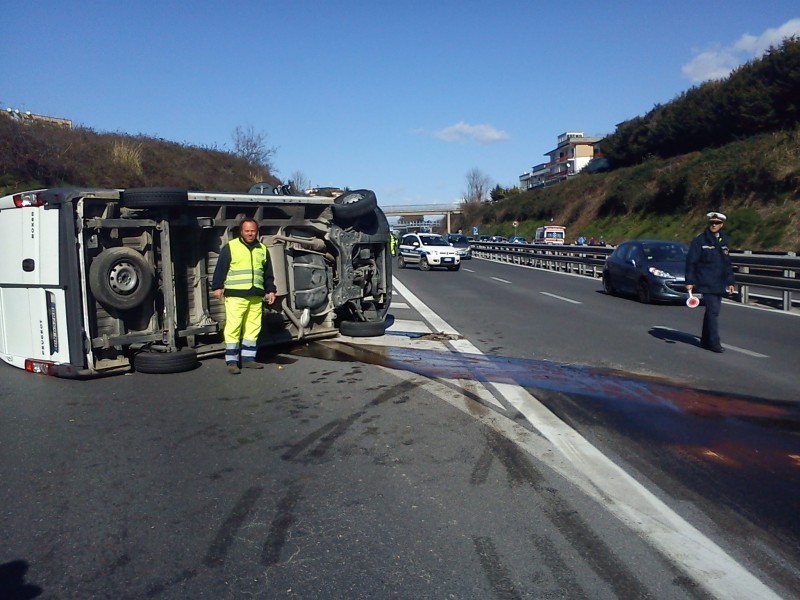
{"points": [[478, 186], [252, 146], [299, 181]]}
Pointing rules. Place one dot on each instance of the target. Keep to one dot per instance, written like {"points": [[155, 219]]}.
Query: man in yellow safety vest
{"points": [[244, 278]]}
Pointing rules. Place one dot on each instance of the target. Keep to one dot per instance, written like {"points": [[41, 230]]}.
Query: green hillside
{"points": [[755, 182], [39, 155]]}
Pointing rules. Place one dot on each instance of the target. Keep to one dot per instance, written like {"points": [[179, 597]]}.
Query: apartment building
{"points": [[571, 154]]}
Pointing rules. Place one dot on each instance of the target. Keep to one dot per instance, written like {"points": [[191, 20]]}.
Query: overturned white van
{"points": [[101, 280]]}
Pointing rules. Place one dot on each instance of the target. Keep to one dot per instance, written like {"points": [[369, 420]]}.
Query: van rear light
{"points": [[28, 199], [42, 367]]}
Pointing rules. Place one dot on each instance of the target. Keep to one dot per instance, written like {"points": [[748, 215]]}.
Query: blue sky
{"points": [[400, 97]]}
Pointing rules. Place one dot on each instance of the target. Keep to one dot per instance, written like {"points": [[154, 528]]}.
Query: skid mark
{"points": [[222, 542], [280, 526], [326, 435], [495, 571]]}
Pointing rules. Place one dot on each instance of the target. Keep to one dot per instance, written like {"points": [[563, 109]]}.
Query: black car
{"points": [[652, 270]]}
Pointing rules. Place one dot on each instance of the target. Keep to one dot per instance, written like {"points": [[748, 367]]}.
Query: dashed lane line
{"points": [[557, 297], [752, 353]]}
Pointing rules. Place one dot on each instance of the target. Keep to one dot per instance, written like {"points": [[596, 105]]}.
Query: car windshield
{"points": [[665, 252], [433, 240]]}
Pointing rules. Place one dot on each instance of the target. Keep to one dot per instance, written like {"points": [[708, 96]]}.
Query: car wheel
{"points": [[608, 287], [165, 362], [352, 205], [154, 197], [423, 264], [643, 291], [401, 262], [362, 328], [120, 278]]}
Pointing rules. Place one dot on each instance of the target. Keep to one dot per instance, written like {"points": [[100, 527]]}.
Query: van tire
{"points": [[165, 362], [362, 328], [121, 278], [354, 204], [163, 197]]}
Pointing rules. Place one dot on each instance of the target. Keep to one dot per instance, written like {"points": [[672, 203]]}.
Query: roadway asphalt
{"points": [[417, 465], [519, 312]]}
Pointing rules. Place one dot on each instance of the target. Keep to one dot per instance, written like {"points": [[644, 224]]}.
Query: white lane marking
{"points": [[561, 298], [633, 504], [398, 304], [500, 280], [394, 341], [752, 353], [408, 326], [437, 324], [467, 270]]}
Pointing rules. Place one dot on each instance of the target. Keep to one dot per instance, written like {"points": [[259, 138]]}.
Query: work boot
{"points": [[251, 364], [234, 369]]}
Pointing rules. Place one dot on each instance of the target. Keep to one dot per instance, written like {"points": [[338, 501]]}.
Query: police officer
{"points": [[709, 271], [244, 277]]}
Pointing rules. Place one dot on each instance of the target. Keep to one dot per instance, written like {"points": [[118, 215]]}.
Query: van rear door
{"points": [[31, 301]]}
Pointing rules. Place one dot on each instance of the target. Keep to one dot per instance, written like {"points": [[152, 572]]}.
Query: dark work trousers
{"points": [[710, 337]]}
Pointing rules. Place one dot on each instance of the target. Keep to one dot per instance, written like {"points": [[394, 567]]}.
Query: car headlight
{"points": [[660, 273]]}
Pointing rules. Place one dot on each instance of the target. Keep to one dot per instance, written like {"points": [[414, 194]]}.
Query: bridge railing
{"points": [[754, 271]]}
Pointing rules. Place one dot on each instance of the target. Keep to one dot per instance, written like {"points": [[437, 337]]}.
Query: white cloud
{"points": [[464, 132], [718, 62]]}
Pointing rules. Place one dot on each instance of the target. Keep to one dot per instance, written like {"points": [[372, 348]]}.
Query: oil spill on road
{"points": [[743, 450]]}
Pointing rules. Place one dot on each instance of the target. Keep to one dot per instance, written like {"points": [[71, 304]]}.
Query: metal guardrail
{"points": [[778, 272]]}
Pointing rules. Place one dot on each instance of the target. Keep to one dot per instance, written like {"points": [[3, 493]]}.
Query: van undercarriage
{"points": [[145, 259]]}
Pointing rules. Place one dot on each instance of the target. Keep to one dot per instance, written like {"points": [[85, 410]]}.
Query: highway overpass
{"points": [[416, 213]]}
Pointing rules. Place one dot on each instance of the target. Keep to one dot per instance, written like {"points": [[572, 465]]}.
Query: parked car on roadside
{"points": [[460, 242], [518, 239], [427, 250], [652, 270]]}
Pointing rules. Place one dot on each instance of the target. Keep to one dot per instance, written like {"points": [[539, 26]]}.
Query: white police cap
{"points": [[716, 215]]}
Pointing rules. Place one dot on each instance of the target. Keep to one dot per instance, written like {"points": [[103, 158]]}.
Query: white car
{"points": [[427, 250]]}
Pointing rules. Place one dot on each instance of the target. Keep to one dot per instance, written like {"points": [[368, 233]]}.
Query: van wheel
{"points": [[165, 362], [121, 278], [362, 328], [154, 197], [352, 205]]}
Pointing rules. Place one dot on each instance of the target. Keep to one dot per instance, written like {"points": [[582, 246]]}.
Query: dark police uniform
{"points": [[710, 270]]}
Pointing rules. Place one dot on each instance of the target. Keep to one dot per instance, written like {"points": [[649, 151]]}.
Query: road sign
{"points": [[475, 230], [515, 224]]}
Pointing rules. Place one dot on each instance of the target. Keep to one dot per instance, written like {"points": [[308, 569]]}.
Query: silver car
{"points": [[460, 242]]}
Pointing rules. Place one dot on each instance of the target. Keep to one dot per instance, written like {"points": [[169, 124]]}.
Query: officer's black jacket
{"points": [[708, 265]]}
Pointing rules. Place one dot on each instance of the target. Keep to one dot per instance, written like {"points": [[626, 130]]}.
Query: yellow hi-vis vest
{"points": [[247, 266]]}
